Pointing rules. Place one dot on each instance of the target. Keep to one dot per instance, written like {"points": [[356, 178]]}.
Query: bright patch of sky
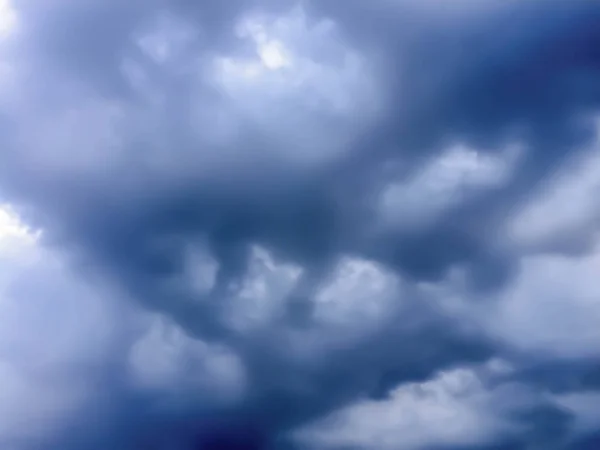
{"points": [[8, 18], [13, 232]]}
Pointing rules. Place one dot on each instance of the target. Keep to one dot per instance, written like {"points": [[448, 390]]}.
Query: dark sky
{"points": [[299, 224]]}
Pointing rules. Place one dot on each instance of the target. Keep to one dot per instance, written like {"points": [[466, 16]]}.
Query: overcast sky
{"points": [[299, 224]]}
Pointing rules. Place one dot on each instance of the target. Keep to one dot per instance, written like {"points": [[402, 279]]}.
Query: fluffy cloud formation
{"points": [[299, 224], [455, 408]]}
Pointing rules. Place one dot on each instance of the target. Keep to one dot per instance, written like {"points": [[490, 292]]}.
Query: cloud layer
{"points": [[299, 224]]}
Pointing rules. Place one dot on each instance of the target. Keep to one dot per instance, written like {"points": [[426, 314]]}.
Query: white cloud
{"points": [[8, 18], [552, 305], [458, 174], [359, 298], [15, 236], [564, 209], [260, 298], [272, 52], [359, 294], [551, 308], [168, 360], [302, 86], [455, 407], [54, 329]]}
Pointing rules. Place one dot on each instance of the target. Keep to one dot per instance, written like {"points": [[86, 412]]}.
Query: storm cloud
{"points": [[299, 224]]}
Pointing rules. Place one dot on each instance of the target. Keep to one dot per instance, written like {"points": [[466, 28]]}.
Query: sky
{"points": [[299, 225]]}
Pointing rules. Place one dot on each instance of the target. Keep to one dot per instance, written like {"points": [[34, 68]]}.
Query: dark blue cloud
{"points": [[301, 223]]}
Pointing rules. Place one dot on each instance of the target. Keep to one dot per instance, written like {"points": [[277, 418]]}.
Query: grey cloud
{"points": [[450, 410], [143, 135]]}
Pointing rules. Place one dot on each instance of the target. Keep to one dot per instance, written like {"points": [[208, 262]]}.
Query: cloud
{"points": [[454, 408], [561, 216], [584, 406], [258, 217], [165, 358], [56, 335], [548, 307], [451, 179], [8, 19]]}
